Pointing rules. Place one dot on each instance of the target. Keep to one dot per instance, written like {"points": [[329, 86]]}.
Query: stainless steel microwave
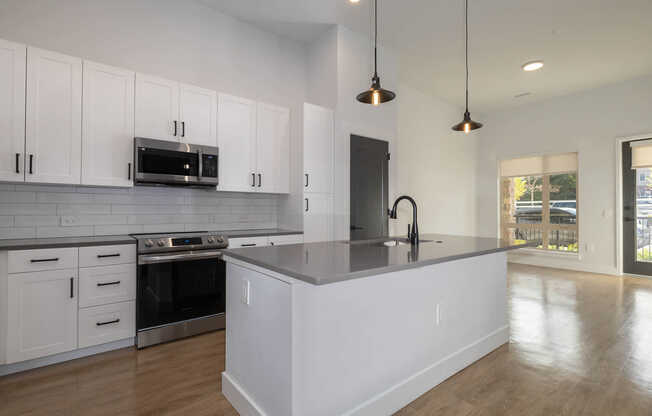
{"points": [[171, 163]]}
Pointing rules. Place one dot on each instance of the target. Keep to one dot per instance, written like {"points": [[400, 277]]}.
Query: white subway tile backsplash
{"points": [[28, 211]]}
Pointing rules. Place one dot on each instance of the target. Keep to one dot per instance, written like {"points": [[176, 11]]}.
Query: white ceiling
{"points": [[584, 43]]}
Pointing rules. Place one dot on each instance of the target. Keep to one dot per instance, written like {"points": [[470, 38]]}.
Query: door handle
{"points": [[175, 127], [117, 282], [17, 162], [183, 129], [72, 293], [44, 260], [260, 180], [248, 245], [307, 180], [31, 160], [307, 205], [129, 171], [103, 256], [253, 179], [115, 321]]}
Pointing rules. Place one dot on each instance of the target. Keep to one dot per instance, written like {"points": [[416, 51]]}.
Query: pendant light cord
{"points": [[375, 38], [466, 48]]}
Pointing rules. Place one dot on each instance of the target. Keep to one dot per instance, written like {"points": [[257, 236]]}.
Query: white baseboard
{"points": [[64, 356], [399, 395], [238, 398]]}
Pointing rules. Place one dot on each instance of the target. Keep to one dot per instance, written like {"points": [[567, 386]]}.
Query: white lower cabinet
{"points": [[106, 323], [42, 314], [247, 242], [317, 217], [281, 240], [106, 284]]}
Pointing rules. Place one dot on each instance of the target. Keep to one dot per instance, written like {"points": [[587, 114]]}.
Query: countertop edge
{"points": [[326, 280], [257, 233], [63, 242]]}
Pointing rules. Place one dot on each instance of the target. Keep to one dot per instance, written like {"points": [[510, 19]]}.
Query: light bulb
{"points": [[467, 127], [375, 98]]}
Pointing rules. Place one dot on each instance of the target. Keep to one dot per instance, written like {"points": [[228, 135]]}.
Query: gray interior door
{"points": [[369, 187]]}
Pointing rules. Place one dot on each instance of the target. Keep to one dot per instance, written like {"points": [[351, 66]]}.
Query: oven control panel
{"points": [[180, 242]]}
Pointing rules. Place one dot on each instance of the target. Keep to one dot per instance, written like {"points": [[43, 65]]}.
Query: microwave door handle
{"points": [[200, 156]]}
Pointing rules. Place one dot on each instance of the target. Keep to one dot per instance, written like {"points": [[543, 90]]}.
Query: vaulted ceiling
{"points": [[584, 43]]}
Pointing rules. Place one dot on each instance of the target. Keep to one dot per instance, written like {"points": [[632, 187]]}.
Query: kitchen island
{"points": [[358, 328]]}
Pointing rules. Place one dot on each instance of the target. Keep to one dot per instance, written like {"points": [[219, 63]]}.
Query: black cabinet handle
{"points": [[31, 160], [17, 162], [307, 180], [260, 180], [183, 129], [103, 256], [115, 321], [248, 245], [307, 205], [72, 293], [117, 282], [175, 127], [129, 171], [253, 179], [44, 260]]}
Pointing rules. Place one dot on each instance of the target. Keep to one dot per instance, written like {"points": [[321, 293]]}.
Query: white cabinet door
{"points": [[42, 314], [157, 108], [281, 240], [12, 111], [108, 125], [318, 125], [273, 149], [243, 242], [198, 114], [53, 117], [317, 218], [236, 135]]}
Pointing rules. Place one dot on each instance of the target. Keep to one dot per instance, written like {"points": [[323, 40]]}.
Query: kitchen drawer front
{"points": [[107, 323], [106, 284], [21, 261], [247, 242], [107, 255], [279, 240]]}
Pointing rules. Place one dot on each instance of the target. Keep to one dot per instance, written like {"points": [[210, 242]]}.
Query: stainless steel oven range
{"points": [[180, 286]]}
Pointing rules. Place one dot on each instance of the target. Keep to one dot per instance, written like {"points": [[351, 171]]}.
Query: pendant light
{"points": [[467, 124], [375, 95]]}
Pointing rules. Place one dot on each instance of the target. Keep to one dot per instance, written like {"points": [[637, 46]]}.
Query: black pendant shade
{"points": [[467, 124], [375, 95]]}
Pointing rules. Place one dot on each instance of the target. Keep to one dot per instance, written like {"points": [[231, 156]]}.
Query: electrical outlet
{"points": [[246, 292], [437, 315]]}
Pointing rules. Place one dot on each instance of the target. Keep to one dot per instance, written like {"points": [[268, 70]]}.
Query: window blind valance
{"points": [[641, 154], [539, 165]]}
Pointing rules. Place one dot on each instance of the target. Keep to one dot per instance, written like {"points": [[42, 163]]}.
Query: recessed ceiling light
{"points": [[354, 1], [532, 66]]}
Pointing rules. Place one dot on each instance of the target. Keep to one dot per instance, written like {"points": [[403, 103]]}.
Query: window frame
{"points": [[545, 227]]}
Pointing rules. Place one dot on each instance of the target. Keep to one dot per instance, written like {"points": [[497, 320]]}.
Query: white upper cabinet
{"points": [[157, 108], [318, 125], [53, 117], [273, 149], [108, 125], [236, 134], [12, 110], [198, 114]]}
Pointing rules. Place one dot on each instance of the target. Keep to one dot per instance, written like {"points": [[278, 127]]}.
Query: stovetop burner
{"points": [[186, 241]]}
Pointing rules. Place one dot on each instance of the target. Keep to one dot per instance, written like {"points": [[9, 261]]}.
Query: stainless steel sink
{"points": [[386, 242]]}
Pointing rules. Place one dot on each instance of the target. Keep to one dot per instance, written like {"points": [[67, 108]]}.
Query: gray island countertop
{"points": [[336, 261]]}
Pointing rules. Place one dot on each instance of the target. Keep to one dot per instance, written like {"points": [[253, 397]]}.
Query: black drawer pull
{"points": [[72, 290], [248, 245], [44, 260], [115, 321], [117, 282], [253, 179], [31, 162], [17, 162], [103, 256]]}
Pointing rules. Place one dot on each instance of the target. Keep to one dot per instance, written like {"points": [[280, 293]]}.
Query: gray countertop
{"points": [[335, 261], [39, 243]]}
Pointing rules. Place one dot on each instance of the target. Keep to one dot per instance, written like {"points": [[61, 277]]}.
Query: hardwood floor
{"points": [[581, 344]]}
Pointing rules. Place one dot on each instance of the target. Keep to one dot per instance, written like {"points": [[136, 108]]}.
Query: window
{"points": [[539, 201]]}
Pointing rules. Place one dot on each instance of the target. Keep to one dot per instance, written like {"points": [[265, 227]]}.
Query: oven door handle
{"points": [[166, 258]]}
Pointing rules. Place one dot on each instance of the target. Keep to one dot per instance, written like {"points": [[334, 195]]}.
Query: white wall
{"points": [[436, 165], [181, 40], [588, 123]]}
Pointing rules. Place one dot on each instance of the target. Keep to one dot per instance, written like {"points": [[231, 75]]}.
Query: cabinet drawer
{"points": [[279, 240], [106, 284], [106, 323], [42, 259], [247, 242], [106, 255]]}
